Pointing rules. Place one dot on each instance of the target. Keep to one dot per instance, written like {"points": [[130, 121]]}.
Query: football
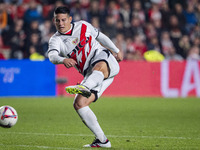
{"points": [[8, 116]]}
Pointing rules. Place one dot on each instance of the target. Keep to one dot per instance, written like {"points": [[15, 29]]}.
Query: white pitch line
{"points": [[50, 134], [113, 136], [36, 146]]}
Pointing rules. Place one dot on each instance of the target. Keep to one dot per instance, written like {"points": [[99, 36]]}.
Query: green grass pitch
{"points": [[129, 123]]}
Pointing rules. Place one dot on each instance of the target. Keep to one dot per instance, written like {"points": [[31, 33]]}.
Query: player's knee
{"points": [[76, 106], [79, 103]]}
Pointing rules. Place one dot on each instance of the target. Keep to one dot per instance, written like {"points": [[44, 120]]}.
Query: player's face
{"points": [[62, 22]]}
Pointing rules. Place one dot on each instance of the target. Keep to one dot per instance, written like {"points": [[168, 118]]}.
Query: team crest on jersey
{"points": [[75, 42]]}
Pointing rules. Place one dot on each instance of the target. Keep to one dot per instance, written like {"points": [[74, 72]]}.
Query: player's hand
{"points": [[119, 56], [68, 62]]}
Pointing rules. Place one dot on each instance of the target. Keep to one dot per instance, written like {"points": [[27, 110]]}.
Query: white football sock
{"points": [[94, 79], [91, 122]]}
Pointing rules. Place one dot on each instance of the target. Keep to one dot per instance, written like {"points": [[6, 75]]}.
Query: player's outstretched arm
{"points": [[107, 43]]}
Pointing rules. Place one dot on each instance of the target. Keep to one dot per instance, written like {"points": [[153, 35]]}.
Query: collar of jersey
{"points": [[68, 32]]}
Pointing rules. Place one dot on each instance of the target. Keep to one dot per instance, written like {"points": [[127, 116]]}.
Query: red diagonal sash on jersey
{"points": [[81, 46]]}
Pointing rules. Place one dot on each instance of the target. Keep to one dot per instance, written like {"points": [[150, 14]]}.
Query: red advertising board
{"points": [[143, 79]]}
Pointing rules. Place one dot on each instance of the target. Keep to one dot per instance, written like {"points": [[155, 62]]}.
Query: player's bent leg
{"points": [[100, 71]]}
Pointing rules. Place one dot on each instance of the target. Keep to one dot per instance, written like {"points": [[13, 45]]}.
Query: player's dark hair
{"points": [[62, 10]]}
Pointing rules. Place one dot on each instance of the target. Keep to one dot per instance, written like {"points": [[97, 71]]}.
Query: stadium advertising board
{"points": [[27, 78], [143, 79], [136, 78], [180, 79]]}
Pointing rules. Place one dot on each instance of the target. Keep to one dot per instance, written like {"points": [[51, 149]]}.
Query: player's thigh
{"points": [[110, 61], [103, 67]]}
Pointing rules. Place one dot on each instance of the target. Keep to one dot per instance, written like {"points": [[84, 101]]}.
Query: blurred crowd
{"points": [[171, 27]]}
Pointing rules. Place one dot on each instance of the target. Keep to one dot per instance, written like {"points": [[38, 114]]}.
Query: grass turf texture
{"points": [[129, 123]]}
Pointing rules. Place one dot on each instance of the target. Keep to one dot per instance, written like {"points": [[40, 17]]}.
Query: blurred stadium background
{"points": [[152, 104]]}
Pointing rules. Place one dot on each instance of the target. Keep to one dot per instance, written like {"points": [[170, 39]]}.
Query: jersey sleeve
{"points": [[106, 42], [55, 58], [54, 44]]}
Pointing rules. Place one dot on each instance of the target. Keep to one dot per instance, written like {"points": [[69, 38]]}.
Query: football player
{"points": [[93, 54]]}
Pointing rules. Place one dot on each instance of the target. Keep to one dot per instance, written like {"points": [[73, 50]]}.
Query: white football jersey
{"points": [[79, 43]]}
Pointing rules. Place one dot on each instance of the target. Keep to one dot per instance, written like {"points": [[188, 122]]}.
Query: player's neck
{"points": [[68, 29]]}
